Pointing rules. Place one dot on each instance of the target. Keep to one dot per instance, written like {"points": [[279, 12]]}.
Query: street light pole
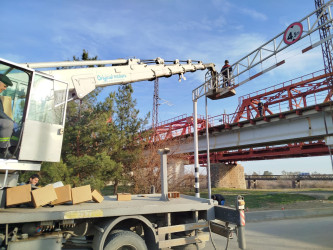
{"points": [[196, 148], [208, 155]]}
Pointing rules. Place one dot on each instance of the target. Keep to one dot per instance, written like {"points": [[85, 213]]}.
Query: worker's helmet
{"points": [[5, 80], [226, 61]]}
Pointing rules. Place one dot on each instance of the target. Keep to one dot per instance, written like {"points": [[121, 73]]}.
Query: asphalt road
{"points": [[308, 233]]}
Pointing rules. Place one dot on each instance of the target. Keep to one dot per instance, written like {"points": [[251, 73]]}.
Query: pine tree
{"points": [[127, 124], [84, 148]]}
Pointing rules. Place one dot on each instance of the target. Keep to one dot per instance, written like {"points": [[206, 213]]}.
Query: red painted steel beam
{"points": [[288, 151], [294, 96]]}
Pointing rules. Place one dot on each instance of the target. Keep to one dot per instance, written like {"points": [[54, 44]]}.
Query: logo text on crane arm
{"points": [[111, 78]]}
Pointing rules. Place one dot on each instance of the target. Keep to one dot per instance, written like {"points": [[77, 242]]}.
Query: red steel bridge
{"points": [[311, 91]]}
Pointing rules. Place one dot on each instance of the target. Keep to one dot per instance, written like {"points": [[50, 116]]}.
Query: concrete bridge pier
{"points": [[176, 168], [227, 175], [248, 184], [296, 184], [251, 184]]}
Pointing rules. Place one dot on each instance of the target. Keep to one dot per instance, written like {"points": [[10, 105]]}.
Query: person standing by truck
{"points": [[219, 198], [33, 180]]}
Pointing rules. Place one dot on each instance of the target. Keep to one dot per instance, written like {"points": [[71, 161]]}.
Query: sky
{"points": [[210, 31]]}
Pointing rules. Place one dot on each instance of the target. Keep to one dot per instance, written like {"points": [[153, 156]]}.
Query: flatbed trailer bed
{"points": [[146, 220], [109, 207]]}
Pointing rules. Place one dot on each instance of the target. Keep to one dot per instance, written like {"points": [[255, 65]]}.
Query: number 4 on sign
{"points": [[293, 33]]}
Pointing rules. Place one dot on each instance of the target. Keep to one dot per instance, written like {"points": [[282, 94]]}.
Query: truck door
{"points": [[13, 105], [43, 127]]}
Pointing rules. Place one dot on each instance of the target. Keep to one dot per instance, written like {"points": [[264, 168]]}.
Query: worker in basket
{"points": [[226, 73]]}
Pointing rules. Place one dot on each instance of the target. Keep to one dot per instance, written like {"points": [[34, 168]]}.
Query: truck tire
{"points": [[125, 240]]}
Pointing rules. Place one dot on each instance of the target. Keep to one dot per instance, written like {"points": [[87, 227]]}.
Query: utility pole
{"points": [[155, 106]]}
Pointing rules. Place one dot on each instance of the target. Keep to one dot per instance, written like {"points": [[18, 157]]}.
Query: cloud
{"points": [[254, 14], [223, 5], [220, 22], [216, 49], [120, 35], [13, 57], [127, 34]]}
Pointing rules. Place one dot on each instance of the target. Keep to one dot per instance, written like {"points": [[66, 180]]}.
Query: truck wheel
{"points": [[125, 240]]}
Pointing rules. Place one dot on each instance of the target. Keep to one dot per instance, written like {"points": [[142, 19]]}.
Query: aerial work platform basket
{"points": [[220, 93]]}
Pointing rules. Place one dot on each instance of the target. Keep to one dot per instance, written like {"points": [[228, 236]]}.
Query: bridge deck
{"points": [[293, 126]]}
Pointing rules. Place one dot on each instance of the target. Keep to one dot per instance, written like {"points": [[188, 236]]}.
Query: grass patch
{"points": [[330, 198], [258, 198], [264, 200]]}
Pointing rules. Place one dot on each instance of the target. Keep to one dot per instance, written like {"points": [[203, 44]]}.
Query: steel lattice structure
{"points": [[325, 33], [155, 104]]}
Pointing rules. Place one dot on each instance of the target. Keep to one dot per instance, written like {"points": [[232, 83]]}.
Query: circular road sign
{"points": [[293, 33]]}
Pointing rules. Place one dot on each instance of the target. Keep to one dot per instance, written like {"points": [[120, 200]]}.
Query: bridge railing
{"points": [[281, 85]]}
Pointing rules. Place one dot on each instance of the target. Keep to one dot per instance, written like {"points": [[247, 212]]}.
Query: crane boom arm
{"points": [[115, 72]]}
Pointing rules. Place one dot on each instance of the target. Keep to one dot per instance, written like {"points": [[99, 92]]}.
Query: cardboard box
{"points": [[57, 184], [97, 197], [43, 196], [64, 194], [124, 197], [18, 195], [81, 194], [7, 105]]}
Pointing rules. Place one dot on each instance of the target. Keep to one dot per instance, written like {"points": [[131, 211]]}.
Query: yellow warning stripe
{"points": [[83, 214]]}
